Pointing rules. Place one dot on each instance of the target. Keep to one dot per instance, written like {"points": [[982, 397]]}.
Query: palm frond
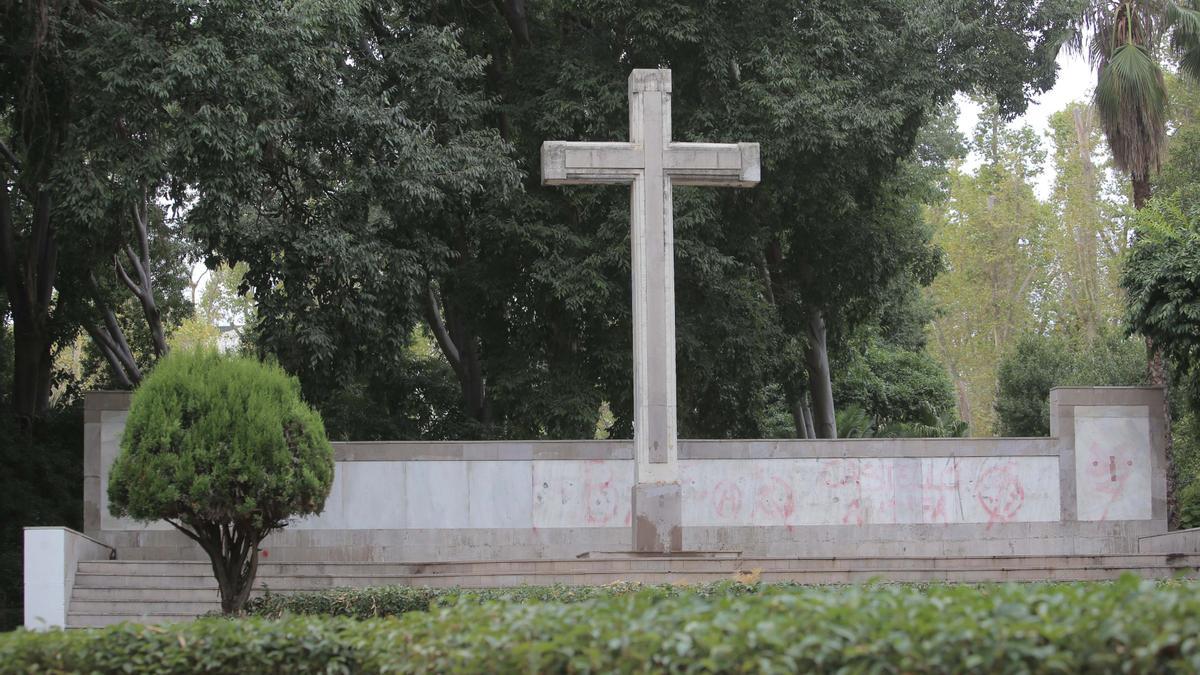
{"points": [[1189, 63], [1131, 99], [1184, 23], [1185, 37]]}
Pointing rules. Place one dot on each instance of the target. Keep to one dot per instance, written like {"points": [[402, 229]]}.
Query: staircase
{"points": [[108, 592]]}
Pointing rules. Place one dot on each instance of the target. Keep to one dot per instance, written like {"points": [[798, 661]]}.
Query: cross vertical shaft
{"points": [[651, 163], [655, 439]]}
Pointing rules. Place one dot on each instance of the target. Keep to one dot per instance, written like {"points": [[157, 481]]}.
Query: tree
{"points": [[525, 291], [1122, 39], [223, 449], [994, 231], [381, 162], [1036, 363], [1094, 227], [1132, 100]]}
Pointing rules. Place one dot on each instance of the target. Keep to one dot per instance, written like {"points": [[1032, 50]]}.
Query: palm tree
{"points": [[1124, 37]]}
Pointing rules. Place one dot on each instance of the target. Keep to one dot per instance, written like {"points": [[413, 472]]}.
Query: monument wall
{"points": [[1095, 486]]}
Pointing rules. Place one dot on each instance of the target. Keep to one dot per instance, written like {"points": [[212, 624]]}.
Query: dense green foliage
{"points": [[41, 484], [224, 449], [1162, 277], [380, 601], [527, 290], [1037, 363], [1127, 626], [222, 438]]}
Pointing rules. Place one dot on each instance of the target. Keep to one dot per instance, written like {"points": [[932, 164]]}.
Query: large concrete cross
{"points": [[652, 164]]}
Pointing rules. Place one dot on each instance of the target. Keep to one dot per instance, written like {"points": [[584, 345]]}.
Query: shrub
{"points": [[381, 601], [1189, 505], [1127, 626], [224, 449]]}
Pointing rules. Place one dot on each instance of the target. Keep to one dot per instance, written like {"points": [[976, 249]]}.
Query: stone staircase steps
{"points": [[108, 592]]}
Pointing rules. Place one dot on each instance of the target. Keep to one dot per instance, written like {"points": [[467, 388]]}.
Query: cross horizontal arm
{"points": [[728, 164], [571, 163]]}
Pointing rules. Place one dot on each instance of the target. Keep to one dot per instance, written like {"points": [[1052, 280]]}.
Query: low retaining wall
{"points": [[51, 557], [1095, 487]]}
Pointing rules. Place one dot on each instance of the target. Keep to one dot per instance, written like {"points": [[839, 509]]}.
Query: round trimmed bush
{"points": [[224, 449]]}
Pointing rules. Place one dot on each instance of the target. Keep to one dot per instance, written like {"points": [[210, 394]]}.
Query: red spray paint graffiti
{"points": [[1000, 493], [1108, 471], [775, 499], [600, 499], [727, 500], [938, 489]]}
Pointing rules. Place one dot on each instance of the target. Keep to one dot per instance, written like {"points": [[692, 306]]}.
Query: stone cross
{"points": [[651, 164]]}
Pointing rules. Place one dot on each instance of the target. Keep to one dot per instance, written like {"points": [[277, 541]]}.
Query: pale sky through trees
{"points": [[1075, 83]]}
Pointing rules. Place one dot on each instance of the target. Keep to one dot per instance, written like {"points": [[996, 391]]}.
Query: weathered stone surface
{"points": [[651, 163], [518, 500], [658, 518]]}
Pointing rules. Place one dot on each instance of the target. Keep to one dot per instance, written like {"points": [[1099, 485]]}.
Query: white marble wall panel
{"points": [[587, 493], [1112, 462], [435, 495], [996, 490], [500, 494], [366, 496], [861, 491]]}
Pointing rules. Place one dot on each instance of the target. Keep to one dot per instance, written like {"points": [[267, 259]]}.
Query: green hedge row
{"points": [[1127, 626], [381, 601]]}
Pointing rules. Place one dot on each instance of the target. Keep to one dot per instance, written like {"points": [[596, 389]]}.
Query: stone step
{"points": [[109, 592], [578, 566], [330, 575], [101, 620], [134, 588], [119, 597], [143, 608], [157, 593]]}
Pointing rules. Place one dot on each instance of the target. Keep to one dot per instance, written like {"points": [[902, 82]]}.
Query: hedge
{"points": [[1128, 626], [381, 601]]}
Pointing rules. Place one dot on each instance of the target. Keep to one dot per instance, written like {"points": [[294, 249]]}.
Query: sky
{"points": [[1075, 82]]}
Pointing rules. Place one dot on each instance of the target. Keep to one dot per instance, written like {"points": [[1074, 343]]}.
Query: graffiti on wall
{"points": [[1112, 463], [866, 491]]}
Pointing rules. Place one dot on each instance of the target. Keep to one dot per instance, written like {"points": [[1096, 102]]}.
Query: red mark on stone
{"points": [[727, 500], [600, 503], [936, 488], [1109, 473], [1000, 493], [775, 498]]}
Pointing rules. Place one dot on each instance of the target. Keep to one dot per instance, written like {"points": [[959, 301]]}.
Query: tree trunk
{"points": [[796, 405], [809, 430], [461, 348], [1159, 375], [820, 386], [31, 372], [29, 277], [1141, 191]]}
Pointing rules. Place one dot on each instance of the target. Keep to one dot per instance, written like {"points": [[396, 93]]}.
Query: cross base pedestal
{"points": [[657, 518]]}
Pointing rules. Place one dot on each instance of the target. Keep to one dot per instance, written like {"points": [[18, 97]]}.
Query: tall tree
{"points": [[994, 231], [1123, 38], [1131, 98], [1093, 226]]}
